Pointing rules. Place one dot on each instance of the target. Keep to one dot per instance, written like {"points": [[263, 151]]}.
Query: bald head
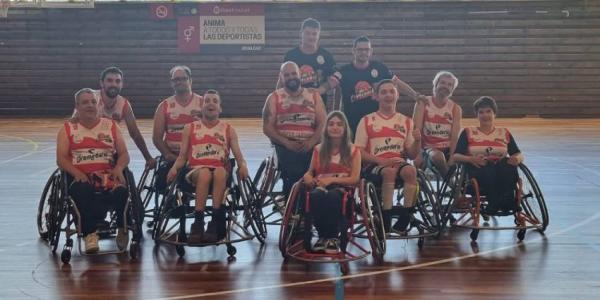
{"points": [[289, 74]]}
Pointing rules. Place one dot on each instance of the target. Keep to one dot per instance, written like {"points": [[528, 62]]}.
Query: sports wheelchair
{"points": [[268, 184], [425, 221], [240, 197], [58, 213], [463, 204], [361, 218]]}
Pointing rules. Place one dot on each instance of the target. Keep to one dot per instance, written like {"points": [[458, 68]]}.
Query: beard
{"points": [[112, 92], [443, 92], [293, 84]]}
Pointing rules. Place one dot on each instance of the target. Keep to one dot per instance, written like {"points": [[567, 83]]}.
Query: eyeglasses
{"points": [[362, 49], [179, 79]]}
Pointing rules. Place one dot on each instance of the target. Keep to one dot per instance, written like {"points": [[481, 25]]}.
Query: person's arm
{"points": [[183, 153], [412, 143], [136, 135], [63, 157], [158, 134], [456, 127], [516, 156], [237, 153], [269, 121], [320, 117], [418, 115], [122, 156], [309, 176]]}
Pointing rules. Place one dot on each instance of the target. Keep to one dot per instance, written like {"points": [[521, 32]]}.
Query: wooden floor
{"points": [[564, 264]]}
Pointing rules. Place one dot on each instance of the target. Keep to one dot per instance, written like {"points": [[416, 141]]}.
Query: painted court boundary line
{"points": [[374, 273]]}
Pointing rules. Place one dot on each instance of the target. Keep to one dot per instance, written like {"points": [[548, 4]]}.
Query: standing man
{"points": [[439, 121], [357, 80], [316, 64], [293, 119], [171, 116]]}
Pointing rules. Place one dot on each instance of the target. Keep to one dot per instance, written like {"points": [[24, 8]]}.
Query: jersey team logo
{"points": [[400, 128], [374, 73], [104, 138], [320, 59], [362, 90], [77, 138], [219, 137], [448, 116], [308, 76]]}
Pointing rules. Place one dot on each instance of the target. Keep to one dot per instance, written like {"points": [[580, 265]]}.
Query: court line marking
{"points": [[417, 266], [26, 154]]}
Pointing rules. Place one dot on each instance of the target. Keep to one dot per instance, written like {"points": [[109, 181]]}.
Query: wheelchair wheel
{"points": [[532, 200], [428, 203], [61, 210], [271, 203], [45, 211], [453, 185], [252, 210], [371, 210], [136, 210], [290, 223]]}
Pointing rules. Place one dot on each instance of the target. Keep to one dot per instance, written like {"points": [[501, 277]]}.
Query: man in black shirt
{"points": [[316, 64], [357, 80]]}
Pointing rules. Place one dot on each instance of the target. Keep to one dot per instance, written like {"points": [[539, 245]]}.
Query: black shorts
{"points": [[373, 174]]}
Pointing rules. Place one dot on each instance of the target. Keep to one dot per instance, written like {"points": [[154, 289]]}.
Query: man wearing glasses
{"points": [[171, 116], [357, 81]]}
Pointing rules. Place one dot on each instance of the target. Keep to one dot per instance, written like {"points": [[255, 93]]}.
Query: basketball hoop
{"points": [[4, 5]]}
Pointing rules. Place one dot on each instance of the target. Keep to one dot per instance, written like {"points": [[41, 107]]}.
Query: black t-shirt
{"points": [[462, 145], [314, 68], [357, 89]]}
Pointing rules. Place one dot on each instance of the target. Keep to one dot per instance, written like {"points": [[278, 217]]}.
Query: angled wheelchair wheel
{"points": [[532, 200], [252, 209], [371, 210], [45, 216], [290, 223], [428, 203]]}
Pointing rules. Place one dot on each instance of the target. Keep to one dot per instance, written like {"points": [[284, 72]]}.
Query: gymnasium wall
{"points": [[535, 57]]}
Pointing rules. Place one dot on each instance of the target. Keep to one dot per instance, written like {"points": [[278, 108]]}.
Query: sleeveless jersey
{"points": [[208, 147], [385, 136], [116, 112], [92, 149], [493, 146], [335, 168], [437, 124], [177, 116], [295, 119]]}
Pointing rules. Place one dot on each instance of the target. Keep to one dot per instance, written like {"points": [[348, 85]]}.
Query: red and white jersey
{"points": [[383, 136], [92, 149], [295, 117], [116, 111], [177, 116], [493, 146], [437, 124], [208, 146], [335, 168]]}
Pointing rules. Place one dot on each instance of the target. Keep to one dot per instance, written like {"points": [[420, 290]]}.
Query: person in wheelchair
{"points": [[86, 149], [171, 115], [491, 156], [439, 121], [205, 147], [335, 165], [386, 138]]}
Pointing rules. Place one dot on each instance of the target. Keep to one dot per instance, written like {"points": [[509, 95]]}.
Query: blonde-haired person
{"points": [[335, 165]]}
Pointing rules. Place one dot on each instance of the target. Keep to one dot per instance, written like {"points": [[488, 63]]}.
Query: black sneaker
{"points": [[401, 224], [332, 246], [210, 236], [319, 245], [196, 233]]}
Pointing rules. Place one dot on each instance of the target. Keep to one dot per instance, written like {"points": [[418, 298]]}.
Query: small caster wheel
{"points": [[486, 218], [344, 268], [231, 250], [134, 250], [150, 224], [180, 250], [65, 256], [474, 234], [420, 243], [521, 235]]}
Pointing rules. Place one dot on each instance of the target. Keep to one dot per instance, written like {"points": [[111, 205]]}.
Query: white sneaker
{"points": [[319, 245], [332, 246], [91, 243], [122, 238]]}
